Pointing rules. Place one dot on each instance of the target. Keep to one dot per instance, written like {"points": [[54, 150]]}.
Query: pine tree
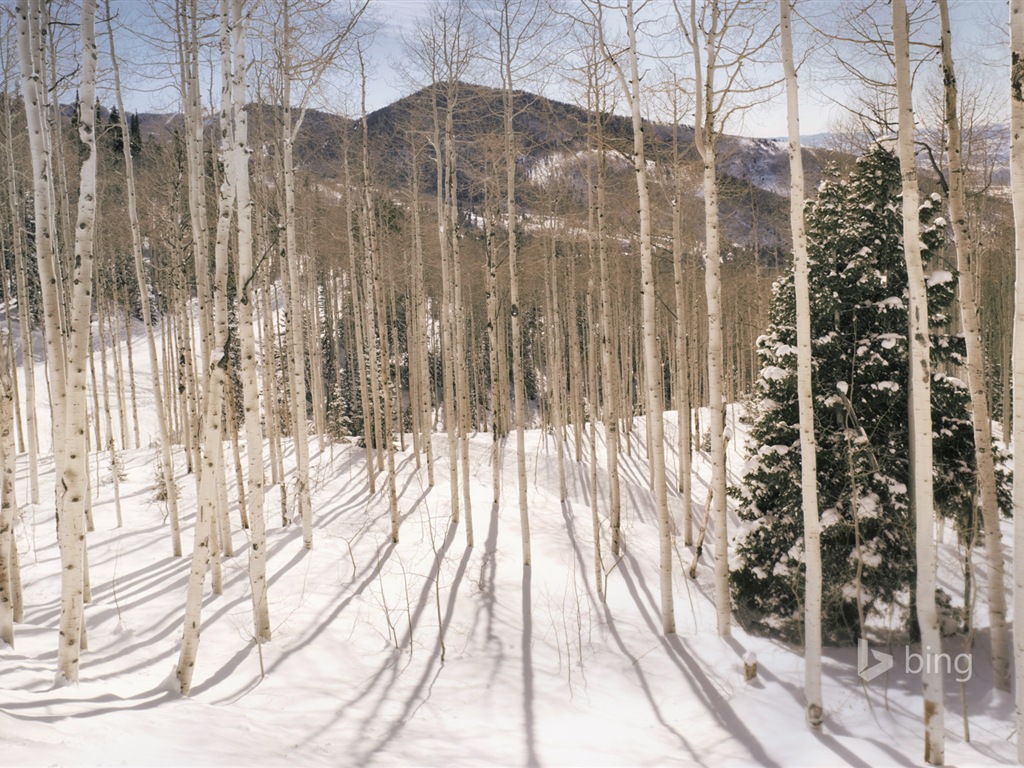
{"points": [[114, 134], [858, 288], [135, 135]]}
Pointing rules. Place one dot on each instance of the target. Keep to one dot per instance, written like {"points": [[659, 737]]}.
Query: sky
{"points": [[978, 29], [975, 39]]}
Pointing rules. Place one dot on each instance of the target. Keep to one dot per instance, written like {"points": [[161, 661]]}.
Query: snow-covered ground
{"points": [[430, 653]]}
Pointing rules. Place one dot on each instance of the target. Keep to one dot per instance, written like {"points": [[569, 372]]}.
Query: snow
{"points": [[830, 517], [867, 506], [774, 373], [535, 668], [939, 277], [890, 340]]}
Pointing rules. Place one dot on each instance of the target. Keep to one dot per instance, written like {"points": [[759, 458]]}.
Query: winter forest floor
{"points": [[431, 653]]}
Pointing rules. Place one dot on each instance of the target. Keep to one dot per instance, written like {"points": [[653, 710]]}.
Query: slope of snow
{"points": [[431, 653]]}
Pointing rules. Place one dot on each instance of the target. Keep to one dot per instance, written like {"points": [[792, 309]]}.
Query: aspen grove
{"points": [[478, 382]]}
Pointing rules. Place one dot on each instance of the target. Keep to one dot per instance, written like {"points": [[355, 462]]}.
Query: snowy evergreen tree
{"points": [[858, 288], [135, 135]]}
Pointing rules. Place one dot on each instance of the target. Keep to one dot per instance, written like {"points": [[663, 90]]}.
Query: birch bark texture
{"points": [[9, 578], [1017, 191], [805, 391], [69, 372], [970, 317], [247, 331], [507, 54], [706, 130], [651, 348], [920, 415], [145, 291]]}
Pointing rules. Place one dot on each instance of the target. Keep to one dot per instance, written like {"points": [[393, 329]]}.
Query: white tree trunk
{"points": [[920, 395], [682, 393], [420, 342], [705, 135], [205, 526], [296, 343], [9, 578], [32, 66], [222, 244], [805, 389], [247, 337], [376, 299], [652, 353], [507, 56], [447, 313], [982, 420], [73, 473], [610, 392], [1017, 181], [23, 321], [360, 352]]}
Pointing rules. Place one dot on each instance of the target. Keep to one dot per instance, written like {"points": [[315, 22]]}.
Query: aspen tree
{"points": [[247, 332], [96, 422], [577, 382], [594, 346], [595, 516], [9, 301], [313, 71], [460, 351], [920, 393], [715, 52], [705, 137], [231, 426], [127, 320], [651, 352], [497, 406], [376, 300], [394, 338], [607, 330], [32, 66], [203, 550], [444, 57], [9, 312], [555, 377], [681, 394], [970, 317], [1017, 191], [71, 531], [295, 343], [314, 300], [225, 206], [209, 516], [9, 578], [808, 446], [272, 404], [507, 53], [24, 324], [67, 365], [420, 339], [122, 403], [110, 445], [187, 20], [358, 314]]}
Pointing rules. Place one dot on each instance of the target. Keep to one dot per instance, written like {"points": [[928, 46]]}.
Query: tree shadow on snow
{"points": [[422, 690]]}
